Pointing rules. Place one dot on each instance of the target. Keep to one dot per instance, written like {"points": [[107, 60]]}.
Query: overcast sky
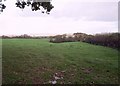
{"points": [[67, 16]]}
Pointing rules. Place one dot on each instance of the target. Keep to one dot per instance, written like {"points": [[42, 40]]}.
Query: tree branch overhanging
{"points": [[34, 4]]}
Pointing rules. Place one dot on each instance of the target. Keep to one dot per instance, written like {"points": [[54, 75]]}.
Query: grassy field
{"points": [[37, 61]]}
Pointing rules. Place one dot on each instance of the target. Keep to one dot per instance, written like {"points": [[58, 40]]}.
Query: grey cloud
{"points": [[90, 11], [98, 11]]}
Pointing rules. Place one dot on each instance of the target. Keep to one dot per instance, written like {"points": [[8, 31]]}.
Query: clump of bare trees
{"points": [[69, 38], [62, 38]]}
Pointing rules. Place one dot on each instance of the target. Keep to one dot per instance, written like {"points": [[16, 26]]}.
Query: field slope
{"points": [[37, 61]]}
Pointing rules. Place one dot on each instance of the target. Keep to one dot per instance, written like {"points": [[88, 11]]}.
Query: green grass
{"points": [[35, 61]]}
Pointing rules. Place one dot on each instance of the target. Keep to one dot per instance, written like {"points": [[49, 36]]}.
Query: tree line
{"points": [[25, 36], [106, 39]]}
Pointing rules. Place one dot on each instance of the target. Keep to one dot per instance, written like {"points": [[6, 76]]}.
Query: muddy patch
{"points": [[87, 70]]}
